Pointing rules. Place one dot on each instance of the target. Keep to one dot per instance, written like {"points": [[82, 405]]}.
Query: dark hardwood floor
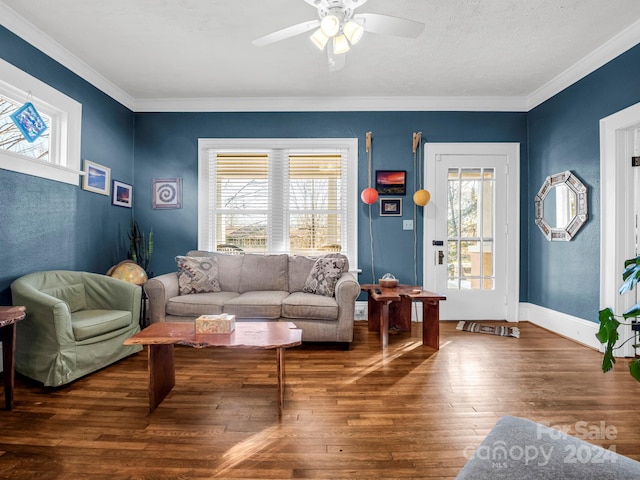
{"points": [[407, 412]]}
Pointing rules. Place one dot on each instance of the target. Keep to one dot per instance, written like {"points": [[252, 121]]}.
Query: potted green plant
{"points": [[140, 248], [609, 322]]}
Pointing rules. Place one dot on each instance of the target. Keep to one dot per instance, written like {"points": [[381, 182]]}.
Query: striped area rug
{"points": [[490, 329]]}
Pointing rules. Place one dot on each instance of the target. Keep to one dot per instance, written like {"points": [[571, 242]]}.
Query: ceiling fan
{"points": [[338, 28]]}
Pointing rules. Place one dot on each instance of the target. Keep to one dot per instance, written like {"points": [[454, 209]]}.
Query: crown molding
{"points": [[611, 49], [333, 104], [603, 54], [29, 33]]}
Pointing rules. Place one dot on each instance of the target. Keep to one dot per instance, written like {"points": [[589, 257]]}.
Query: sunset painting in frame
{"points": [[391, 182]]}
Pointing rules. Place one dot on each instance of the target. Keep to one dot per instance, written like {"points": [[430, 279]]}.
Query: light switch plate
{"points": [[407, 224]]}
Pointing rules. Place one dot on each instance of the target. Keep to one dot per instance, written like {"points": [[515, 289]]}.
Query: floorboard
{"points": [[405, 413]]}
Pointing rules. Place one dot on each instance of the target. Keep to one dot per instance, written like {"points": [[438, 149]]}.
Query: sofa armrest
{"points": [[159, 290], [48, 318], [346, 292]]}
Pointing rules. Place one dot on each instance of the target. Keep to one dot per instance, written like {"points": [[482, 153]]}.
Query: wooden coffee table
{"points": [[392, 307], [162, 336]]}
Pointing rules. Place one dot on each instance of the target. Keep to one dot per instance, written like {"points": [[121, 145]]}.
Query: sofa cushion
{"points": [[74, 295], [228, 268], [309, 306], [324, 275], [92, 323], [197, 274], [197, 304], [264, 272], [258, 304], [299, 268]]}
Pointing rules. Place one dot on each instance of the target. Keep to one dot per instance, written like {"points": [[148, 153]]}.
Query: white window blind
{"points": [[289, 197]]}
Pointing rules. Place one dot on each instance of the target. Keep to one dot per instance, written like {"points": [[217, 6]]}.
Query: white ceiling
{"points": [[197, 54]]}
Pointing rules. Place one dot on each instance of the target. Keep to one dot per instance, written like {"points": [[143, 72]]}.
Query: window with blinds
{"points": [[299, 199]]}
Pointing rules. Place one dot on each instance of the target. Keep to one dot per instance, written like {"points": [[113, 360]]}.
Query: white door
{"points": [[472, 229]]}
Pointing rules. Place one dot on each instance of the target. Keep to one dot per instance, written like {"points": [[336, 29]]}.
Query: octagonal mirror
{"points": [[561, 206]]}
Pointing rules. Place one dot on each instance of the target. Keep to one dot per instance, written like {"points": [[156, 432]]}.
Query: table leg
{"points": [[8, 358], [373, 320], [400, 314], [431, 323], [384, 324], [280, 362], [162, 376]]}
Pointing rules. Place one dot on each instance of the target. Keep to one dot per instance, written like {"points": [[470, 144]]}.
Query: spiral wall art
{"points": [[167, 193]]}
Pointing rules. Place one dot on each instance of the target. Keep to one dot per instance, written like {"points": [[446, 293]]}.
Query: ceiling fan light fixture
{"points": [[353, 31], [319, 39], [340, 45], [330, 25]]}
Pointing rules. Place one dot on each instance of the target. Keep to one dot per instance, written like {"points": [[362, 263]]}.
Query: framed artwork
{"points": [[29, 122], [390, 207], [97, 178], [122, 194], [167, 193], [391, 182]]}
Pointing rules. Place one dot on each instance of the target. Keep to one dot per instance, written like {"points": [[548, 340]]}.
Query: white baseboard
{"points": [[574, 328]]}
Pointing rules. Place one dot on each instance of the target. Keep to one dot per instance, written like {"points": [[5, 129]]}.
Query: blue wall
{"points": [[52, 225], [166, 146], [564, 135]]}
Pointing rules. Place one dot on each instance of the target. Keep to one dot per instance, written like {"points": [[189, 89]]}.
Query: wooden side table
{"points": [[9, 316], [392, 307]]}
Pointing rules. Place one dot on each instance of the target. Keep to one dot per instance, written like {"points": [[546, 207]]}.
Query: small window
{"points": [[55, 154]]}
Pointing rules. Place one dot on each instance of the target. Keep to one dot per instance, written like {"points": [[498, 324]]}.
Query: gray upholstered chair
{"points": [[75, 324]]}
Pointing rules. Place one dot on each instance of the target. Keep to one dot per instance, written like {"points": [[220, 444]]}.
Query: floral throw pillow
{"points": [[324, 275], [197, 275]]}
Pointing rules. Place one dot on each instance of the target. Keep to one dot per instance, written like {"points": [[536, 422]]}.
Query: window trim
{"points": [[66, 119], [350, 145]]}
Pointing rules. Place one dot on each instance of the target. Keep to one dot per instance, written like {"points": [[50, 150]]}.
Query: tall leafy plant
{"points": [[609, 322], [140, 247]]}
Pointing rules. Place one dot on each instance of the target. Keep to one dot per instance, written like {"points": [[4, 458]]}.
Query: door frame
{"points": [[512, 228], [617, 225]]}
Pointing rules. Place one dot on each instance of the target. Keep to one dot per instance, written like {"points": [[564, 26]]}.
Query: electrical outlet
{"points": [[407, 224]]}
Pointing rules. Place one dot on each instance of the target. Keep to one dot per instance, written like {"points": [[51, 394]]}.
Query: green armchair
{"points": [[75, 324]]}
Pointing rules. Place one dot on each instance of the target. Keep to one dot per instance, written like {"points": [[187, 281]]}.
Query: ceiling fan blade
{"points": [[285, 33], [323, 4], [336, 62], [388, 25]]}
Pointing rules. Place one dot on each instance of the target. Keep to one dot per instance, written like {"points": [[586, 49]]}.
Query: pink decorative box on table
{"points": [[215, 323]]}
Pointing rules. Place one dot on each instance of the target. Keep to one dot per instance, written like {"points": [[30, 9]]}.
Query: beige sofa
{"points": [[318, 294]]}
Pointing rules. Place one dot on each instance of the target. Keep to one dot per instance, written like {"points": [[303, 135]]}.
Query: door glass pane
{"points": [[453, 200], [469, 265], [471, 198], [453, 265]]}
